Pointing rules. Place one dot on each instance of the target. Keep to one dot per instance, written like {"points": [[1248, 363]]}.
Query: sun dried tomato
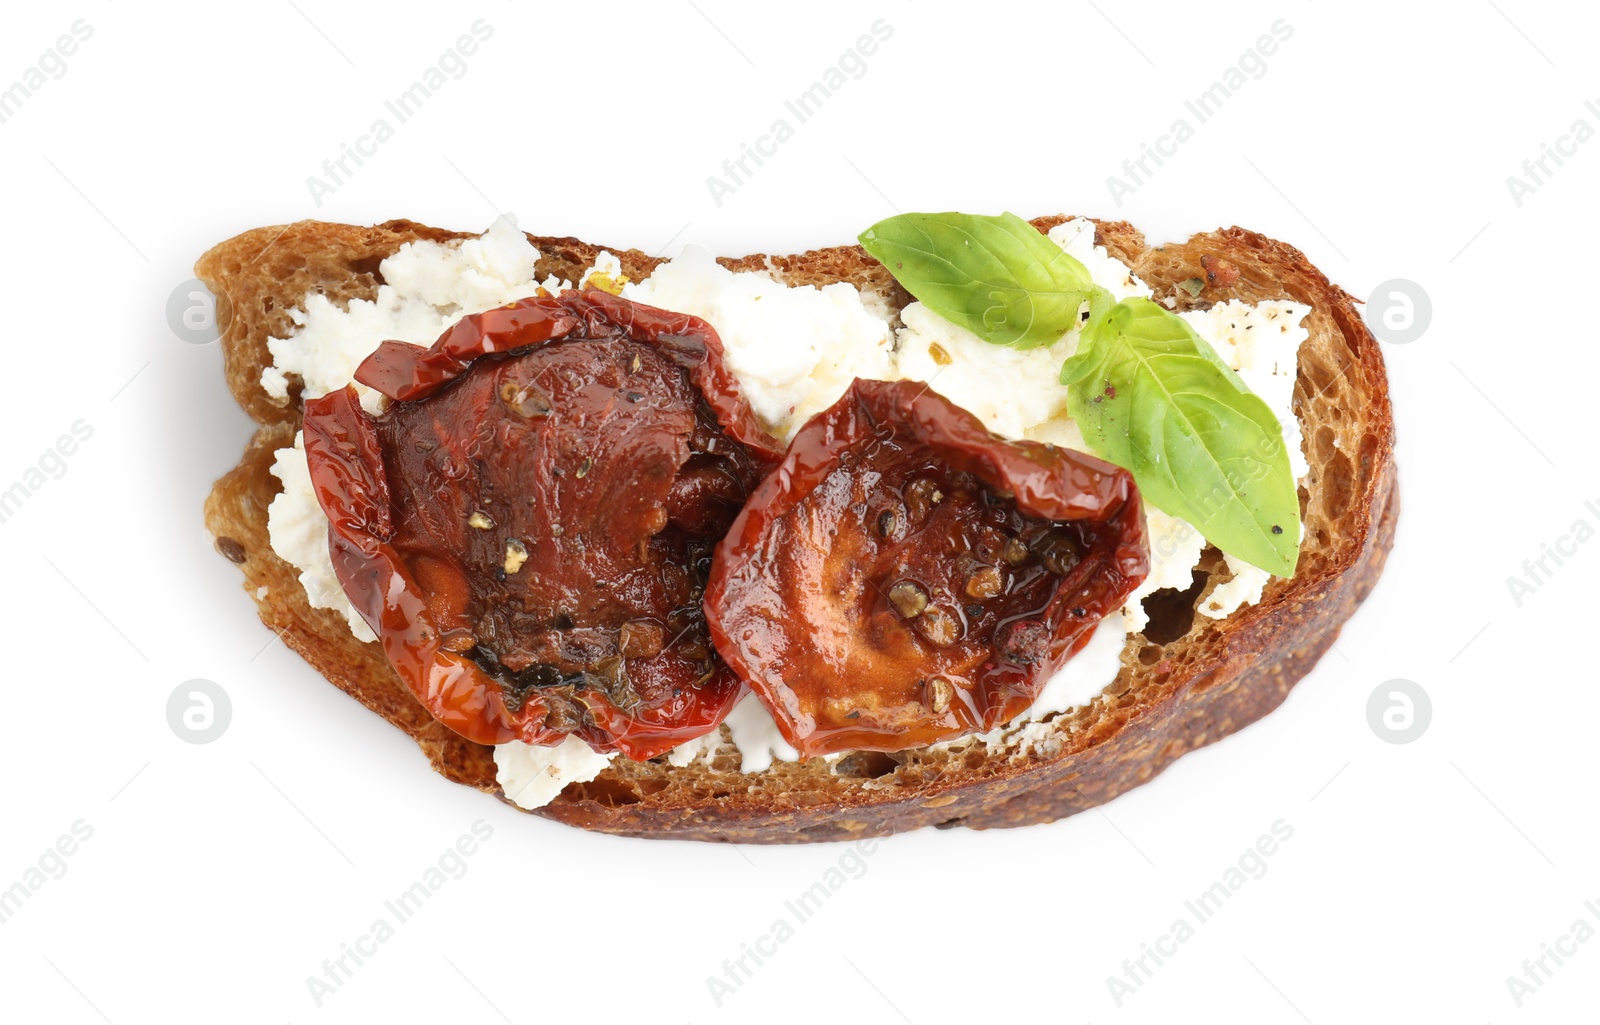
{"points": [[529, 525], [904, 576]]}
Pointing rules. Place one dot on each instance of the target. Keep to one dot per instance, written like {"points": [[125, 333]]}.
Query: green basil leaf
{"points": [[1152, 396], [998, 277]]}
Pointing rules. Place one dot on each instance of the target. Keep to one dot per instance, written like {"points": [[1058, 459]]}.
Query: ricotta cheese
{"points": [[1244, 588], [1261, 342], [701, 748], [427, 286], [1010, 390], [606, 274], [1091, 670], [1076, 237], [533, 776], [298, 531], [756, 736], [795, 350], [1175, 550]]}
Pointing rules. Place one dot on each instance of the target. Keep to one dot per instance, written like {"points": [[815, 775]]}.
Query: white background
{"points": [[219, 877]]}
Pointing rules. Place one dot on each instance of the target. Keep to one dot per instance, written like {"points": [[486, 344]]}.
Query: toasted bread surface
{"points": [[1187, 681]]}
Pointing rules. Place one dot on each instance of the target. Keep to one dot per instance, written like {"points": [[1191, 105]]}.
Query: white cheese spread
{"points": [[298, 531], [427, 286], [532, 776], [795, 350], [756, 736]]}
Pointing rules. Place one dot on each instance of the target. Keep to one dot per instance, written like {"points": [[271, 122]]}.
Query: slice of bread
{"points": [[1187, 681]]}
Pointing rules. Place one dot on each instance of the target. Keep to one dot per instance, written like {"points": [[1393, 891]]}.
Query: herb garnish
{"points": [[1149, 393]]}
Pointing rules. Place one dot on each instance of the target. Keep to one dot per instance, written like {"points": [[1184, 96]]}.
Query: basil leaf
{"points": [[1152, 396], [998, 277]]}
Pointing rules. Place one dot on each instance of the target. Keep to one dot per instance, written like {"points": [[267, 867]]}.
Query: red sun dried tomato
{"points": [[529, 525], [905, 577]]}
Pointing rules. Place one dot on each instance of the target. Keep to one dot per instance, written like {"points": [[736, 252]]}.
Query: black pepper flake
{"points": [[1277, 529], [853, 715], [1080, 612]]}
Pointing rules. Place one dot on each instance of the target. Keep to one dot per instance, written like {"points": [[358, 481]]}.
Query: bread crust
{"points": [[1171, 697]]}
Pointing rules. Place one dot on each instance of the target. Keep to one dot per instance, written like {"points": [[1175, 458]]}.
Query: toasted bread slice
{"points": [[1187, 681]]}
